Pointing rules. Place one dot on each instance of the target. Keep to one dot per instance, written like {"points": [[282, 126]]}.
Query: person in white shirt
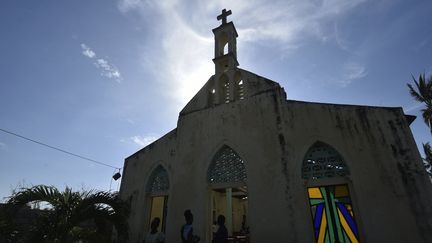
{"points": [[154, 236]]}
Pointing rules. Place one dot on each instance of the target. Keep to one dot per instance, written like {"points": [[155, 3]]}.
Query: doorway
{"points": [[226, 176], [159, 205], [157, 193], [231, 202]]}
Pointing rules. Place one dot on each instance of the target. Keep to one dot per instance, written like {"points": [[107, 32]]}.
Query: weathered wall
{"points": [[205, 98], [388, 183], [239, 126], [137, 170], [390, 191]]}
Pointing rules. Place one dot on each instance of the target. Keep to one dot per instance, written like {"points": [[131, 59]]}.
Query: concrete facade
{"points": [[390, 191]]}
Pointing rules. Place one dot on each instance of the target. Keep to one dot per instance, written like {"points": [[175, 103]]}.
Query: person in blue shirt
{"points": [[186, 232]]}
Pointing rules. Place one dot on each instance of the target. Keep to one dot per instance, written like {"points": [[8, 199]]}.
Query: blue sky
{"points": [[104, 78]]}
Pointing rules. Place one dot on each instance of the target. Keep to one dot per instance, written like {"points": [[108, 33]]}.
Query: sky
{"points": [[102, 79]]}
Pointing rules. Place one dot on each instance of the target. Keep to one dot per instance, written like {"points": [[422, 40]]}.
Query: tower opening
{"points": [[239, 86], [224, 89]]}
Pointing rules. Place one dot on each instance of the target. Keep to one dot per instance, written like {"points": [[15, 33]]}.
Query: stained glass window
{"points": [[332, 213], [323, 161], [227, 166], [158, 181]]}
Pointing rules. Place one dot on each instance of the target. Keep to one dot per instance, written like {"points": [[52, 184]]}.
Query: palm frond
{"points": [[427, 116], [414, 93], [105, 206], [422, 91], [428, 153], [85, 215], [40, 193]]}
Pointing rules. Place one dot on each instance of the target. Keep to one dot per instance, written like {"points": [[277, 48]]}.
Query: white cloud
{"points": [[130, 121], [126, 5], [181, 59], [143, 140], [341, 42], [107, 70], [288, 21], [413, 107], [87, 51], [353, 71]]}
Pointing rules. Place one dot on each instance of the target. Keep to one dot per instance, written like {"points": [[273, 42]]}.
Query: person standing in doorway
{"points": [[221, 235], [154, 236], [244, 229], [186, 232]]}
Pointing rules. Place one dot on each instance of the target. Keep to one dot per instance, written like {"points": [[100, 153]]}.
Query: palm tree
{"points": [[428, 158], [423, 93], [71, 216], [8, 229]]}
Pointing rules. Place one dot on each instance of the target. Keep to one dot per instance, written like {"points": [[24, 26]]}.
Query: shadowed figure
{"points": [[244, 228], [186, 232], [154, 236], [221, 235]]}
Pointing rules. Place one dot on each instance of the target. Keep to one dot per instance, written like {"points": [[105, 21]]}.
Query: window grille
{"points": [[158, 182], [227, 166], [322, 161], [227, 92], [240, 90]]}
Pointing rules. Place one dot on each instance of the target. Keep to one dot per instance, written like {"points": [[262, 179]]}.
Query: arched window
{"points": [[227, 167], [224, 89], [157, 189], [333, 215], [322, 161], [222, 41], [229, 195], [225, 49], [158, 182], [211, 96], [239, 86]]}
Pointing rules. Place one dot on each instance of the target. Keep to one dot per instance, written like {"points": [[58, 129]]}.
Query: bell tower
{"points": [[225, 44], [225, 60]]}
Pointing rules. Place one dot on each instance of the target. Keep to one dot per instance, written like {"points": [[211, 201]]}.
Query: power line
{"points": [[59, 149]]}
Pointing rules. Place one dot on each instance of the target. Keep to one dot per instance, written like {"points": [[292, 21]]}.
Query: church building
{"points": [[279, 170]]}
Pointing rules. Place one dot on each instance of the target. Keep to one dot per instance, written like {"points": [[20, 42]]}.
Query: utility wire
{"points": [[59, 149]]}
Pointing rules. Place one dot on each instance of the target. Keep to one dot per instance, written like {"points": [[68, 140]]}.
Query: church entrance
{"points": [[157, 192], [228, 195], [159, 210], [232, 202]]}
